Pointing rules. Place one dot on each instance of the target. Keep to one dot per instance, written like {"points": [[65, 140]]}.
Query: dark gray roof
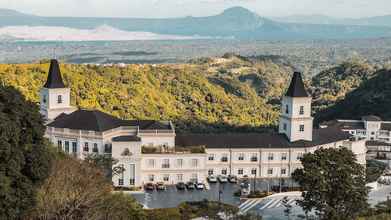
{"points": [[94, 120], [296, 88], [126, 139], [259, 140], [54, 79], [377, 143], [348, 125], [385, 126], [371, 118]]}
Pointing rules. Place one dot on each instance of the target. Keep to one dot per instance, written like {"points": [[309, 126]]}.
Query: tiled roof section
{"points": [[296, 88], [385, 126], [94, 120], [126, 139], [347, 125], [262, 140], [377, 143], [371, 118], [54, 79]]}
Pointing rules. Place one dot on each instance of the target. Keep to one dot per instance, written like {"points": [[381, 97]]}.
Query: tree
{"points": [[77, 189], [333, 184], [25, 157], [288, 207]]}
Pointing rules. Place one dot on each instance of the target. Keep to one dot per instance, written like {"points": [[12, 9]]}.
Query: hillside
{"points": [[216, 96], [372, 97], [237, 22], [331, 85]]}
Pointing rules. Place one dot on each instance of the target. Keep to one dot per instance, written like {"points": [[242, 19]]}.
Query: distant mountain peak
{"points": [[10, 12], [239, 11]]}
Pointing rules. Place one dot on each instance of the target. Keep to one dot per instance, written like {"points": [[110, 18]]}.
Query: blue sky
{"points": [[178, 8]]}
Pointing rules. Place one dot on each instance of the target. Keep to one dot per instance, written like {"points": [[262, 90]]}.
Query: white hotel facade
{"points": [[152, 151]]}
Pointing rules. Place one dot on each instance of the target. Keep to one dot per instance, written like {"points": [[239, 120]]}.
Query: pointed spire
{"points": [[54, 77], [296, 88]]}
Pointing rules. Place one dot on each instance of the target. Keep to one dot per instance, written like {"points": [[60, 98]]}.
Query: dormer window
{"points": [[301, 110], [59, 99]]}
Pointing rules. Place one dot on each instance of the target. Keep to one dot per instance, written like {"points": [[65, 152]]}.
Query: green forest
{"points": [[223, 94]]}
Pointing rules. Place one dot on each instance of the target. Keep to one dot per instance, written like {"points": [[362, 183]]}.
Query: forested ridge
{"points": [[225, 94]]}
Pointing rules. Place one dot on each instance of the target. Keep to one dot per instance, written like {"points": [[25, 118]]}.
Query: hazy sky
{"points": [[177, 8]]}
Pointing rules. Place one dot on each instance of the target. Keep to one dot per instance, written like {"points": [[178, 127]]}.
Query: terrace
{"points": [[172, 150]]}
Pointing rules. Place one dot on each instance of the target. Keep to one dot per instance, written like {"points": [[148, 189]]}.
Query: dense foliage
{"points": [[372, 97], [333, 184], [333, 84], [79, 190], [24, 154], [224, 94]]}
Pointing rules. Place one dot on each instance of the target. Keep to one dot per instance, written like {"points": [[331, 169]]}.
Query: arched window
{"points": [[59, 99], [108, 148], [95, 149]]}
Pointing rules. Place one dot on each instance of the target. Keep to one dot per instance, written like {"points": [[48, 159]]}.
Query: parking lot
{"points": [[172, 197]]}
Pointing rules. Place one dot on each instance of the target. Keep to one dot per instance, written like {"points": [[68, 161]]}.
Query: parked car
{"points": [[222, 179], [160, 186], [181, 186], [200, 185], [232, 179], [190, 185], [212, 179], [149, 186]]}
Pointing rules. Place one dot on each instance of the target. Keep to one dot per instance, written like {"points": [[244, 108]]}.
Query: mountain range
{"points": [[236, 22]]}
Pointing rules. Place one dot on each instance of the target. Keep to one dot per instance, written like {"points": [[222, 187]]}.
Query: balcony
{"points": [[224, 159], [172, 150], [254, 159]]}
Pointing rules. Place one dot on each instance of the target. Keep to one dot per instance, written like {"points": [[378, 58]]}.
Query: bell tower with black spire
{"points": [[55, 96], [296, 121]]}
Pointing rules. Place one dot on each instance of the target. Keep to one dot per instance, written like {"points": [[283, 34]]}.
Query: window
{"points": [[194, 162], [224, 172], [59, 99], [166, 177], [108, 148], [286, 109], [44, 99], [151, 163], [301, 110], [240, 171], [66, 146], [179, 163], [86, 148], [224, 158], [372, 133], [254, 171], [284, 126], [210, 172], [283, 171], [59, 145], [301, 128], [166, 163], [120, 182], [241, 156], [95, 149], [194, 177], [151, 177], [299, 156], [270, 171], [74, 147], [211, 157], [270, 156], [179, 177], [283, 156], [254, 158]]}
